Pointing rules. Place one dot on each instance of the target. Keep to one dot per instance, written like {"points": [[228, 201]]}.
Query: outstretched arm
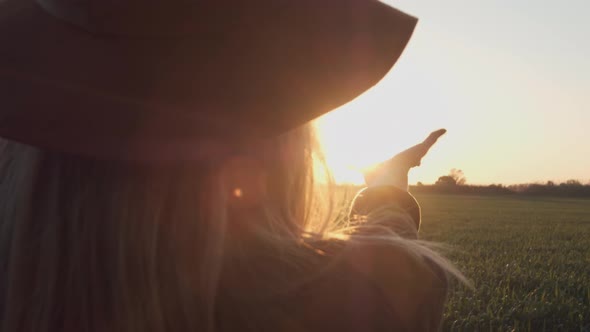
{"points": [[387, 188]]}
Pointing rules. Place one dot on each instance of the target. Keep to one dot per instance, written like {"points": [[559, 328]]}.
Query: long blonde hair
{"points": [[94, 245]]}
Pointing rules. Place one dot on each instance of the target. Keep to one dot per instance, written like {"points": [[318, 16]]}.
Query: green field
{"points": [[528, 259]]}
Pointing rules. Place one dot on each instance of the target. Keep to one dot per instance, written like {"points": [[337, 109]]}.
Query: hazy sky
{"points": [[510, 80]]}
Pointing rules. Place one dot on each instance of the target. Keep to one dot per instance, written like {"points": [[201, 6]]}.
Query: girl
{"points": [[158, 171]]}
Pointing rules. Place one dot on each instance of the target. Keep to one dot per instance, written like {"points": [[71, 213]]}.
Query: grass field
{"points": [[528, 259]]}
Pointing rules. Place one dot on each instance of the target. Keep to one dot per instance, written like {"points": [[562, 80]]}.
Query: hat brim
{"points": [[67, 89]]}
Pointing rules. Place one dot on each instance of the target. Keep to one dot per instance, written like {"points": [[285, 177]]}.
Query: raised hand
{"points": [[395, 170]]}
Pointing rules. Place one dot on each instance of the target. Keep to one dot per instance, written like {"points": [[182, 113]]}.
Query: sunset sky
{"points": [[510, 80]]}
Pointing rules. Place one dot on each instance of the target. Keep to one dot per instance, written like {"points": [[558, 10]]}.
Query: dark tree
{"points": [[446, 180], [455, 178], [459, 176]]}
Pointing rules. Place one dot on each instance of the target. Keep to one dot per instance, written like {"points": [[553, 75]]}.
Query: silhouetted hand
{"points": [[395, 170]]}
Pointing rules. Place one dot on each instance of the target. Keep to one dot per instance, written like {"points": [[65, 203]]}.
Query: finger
{"points": [[433, 137]]}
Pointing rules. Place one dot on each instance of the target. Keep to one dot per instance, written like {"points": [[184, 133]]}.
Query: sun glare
{"points": [[396, 114]]}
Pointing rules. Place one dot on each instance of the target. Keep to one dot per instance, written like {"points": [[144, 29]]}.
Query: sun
{"points": [[394, 115]]}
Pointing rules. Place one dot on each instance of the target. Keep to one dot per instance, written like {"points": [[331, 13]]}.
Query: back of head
{"points": [[93, 245]]}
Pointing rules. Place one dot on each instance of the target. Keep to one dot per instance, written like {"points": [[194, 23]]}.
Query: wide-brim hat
{"points": [[178, 79]]}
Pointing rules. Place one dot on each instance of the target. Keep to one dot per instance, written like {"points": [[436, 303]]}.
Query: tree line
{"points": [[456, 183]]}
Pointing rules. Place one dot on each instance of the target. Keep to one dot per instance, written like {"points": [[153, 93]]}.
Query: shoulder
{"points": [[376, 287], [389, 202], [413, 286]]}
